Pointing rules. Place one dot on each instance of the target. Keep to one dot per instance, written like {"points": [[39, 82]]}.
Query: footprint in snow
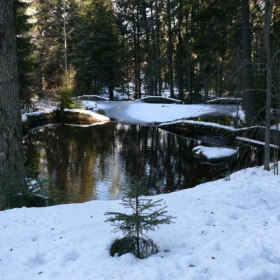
{"points": [[234, 216], [38, 259], [210, 222], [34, 238], [214, 246], [71, 255]]}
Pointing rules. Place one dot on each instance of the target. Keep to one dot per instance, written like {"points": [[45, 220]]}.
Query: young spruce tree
{"points": [[146, 215]]}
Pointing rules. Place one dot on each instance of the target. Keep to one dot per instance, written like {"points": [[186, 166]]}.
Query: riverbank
{"points": [[71, 116]]}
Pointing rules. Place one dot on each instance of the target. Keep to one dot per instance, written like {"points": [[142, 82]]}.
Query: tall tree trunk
{"points": [[269, 8], [139, 57], [10, 117], [238, 71], [206, 85], [189, 69], [136, 58], [149, 75], [154, 58], [111, 92], [248, 96], [65, 46], [221, 72], [170, 50], [158, 50], [180, 68]]}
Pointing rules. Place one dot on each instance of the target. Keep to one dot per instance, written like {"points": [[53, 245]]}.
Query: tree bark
{"points": [[248, 96], [158, 50], [269, 7], [170, 50], [10, 117], [180, 47], [136, 50]]}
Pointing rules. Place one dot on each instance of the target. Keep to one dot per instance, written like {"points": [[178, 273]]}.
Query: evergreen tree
{"points": [[146, 215], [27, 65], [56, 22], [100, 53]]}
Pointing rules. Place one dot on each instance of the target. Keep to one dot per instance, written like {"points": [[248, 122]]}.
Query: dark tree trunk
{"points": [[154, 43], [189, 68], [238, 72], [149, 75], [170, 50], [137, 59], [10, 117], [136, 86], [111, 92], [180, 67], [221, 67], [158, 51], [248, 96], [206, 85], [269, 9]]}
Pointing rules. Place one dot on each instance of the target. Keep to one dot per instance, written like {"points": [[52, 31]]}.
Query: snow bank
{"points": [[24, 117], [211, 153], [224, 230], [92, 114]]}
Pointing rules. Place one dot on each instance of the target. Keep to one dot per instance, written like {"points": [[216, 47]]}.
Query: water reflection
{"points": [[95, 161]]}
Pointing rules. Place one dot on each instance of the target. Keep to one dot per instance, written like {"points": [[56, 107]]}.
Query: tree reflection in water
{"points": [[96, 161]]}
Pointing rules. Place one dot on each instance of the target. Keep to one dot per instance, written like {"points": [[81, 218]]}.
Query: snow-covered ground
{"points": [[227, 229], [224, 230]]}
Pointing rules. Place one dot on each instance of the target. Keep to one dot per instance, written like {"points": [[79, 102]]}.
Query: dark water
{"points": [[94, 162]]}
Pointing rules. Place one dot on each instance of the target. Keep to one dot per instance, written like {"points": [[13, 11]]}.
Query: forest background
{"points": [[195, 49], [64, 48]]}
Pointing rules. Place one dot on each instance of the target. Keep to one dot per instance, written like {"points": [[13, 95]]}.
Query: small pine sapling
{"points": [[146, 215]]}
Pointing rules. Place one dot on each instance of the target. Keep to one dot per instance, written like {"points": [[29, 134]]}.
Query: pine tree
{"points": [[56, 24], [100, 55], [146, 215], [27, 66]]}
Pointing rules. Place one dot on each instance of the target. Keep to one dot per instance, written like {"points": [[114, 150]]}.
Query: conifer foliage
{"points": [[27, 64], [146, 215]]}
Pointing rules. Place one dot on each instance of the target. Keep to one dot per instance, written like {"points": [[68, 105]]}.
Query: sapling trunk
{"points": [[144, 217], [137, 226]]}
